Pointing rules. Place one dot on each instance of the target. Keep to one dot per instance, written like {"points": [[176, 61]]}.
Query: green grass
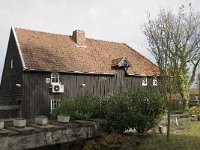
{"points": [[186, 139]]}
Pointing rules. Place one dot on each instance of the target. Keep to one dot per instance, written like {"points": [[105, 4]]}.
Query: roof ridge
{"points": [[140, 54], [105, 41], [41, 31], [67, 35]]}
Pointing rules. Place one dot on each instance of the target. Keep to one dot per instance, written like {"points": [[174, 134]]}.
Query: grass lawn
{"points": [[184, 137]]}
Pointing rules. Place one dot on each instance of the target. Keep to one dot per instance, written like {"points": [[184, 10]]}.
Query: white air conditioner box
{"points": [[57, 88]]}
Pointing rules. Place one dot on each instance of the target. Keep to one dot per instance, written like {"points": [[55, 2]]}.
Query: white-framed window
{"points": [[144, 81], [155, 81], [55, 77], [11, 63], [54, 104]]}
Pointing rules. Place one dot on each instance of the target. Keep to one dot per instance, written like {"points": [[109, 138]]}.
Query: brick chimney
{"points": [[79, 38]]}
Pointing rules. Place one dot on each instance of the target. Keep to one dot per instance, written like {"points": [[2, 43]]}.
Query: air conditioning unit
{"points": [[57, 88]]}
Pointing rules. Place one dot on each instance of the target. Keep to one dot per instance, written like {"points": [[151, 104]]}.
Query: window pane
{"points": [[54, 77], [144, 81], [54, 104], [155, 81]]}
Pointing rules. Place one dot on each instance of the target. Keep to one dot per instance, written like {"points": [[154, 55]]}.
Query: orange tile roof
{"points": [[55, 52]]}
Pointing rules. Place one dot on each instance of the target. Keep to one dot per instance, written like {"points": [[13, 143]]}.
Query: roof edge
{"points": [[140, 54], [87, 73], [142, 75], [76, 72], [18, 47]]}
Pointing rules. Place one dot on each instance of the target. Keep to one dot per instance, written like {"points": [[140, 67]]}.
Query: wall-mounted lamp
{"points": [[82, 85], [18, 85]]}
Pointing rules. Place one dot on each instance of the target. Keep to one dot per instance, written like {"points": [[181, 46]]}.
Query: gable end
{"points": [[18, 47]]}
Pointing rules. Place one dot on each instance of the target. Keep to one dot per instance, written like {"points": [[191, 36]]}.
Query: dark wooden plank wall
{"points": [[99, 85], [136, 82], [9, 111], [10, 77], [4, 114], [37, 93]]}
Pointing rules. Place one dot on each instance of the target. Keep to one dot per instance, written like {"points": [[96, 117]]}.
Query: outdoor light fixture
{"points": [[82, 85], [18, 85]]}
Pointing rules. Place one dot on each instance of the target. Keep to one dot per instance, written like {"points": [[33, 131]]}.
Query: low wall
{"points": [[33, 136]]}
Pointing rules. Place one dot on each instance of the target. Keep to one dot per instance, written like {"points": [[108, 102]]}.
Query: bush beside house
{"points": [[139, 109], [83, 107], [148, 106]]}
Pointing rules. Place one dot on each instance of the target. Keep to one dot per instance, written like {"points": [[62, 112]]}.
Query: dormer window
{"points": [[155, 81], [54, 77], [121, 63], [144, 81]]}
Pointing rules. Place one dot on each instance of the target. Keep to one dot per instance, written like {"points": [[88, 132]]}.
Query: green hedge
{"points": [[83, 107], [118, 114], [139, 109], [147, 108]]}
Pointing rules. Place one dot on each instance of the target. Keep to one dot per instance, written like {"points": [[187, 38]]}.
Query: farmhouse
{"points": [[42, 68]]}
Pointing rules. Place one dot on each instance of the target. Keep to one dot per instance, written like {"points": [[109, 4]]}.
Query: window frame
{"points": [[155, 79], [57, 78], [54, 103], [144, 81]]}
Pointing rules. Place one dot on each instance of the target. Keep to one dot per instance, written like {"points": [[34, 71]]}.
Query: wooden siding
{"points": [[10, 77], [136, 82], [37, 93], [4, 114], [9, 111]]}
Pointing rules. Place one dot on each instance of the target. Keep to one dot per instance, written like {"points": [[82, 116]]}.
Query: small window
{"points": [[54, 104], [54, 77], [11, 63], [144, 81], [155, 81]]}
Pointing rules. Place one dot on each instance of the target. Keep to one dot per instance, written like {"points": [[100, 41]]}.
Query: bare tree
{"points": [[174, 41]]}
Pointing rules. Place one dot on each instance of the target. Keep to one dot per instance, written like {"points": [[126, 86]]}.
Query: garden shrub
{"points": [[147, 107], [194, 110], [117, 112], [100, 112], [86, 106], [83, 107], [66, 107], [139, 109]]}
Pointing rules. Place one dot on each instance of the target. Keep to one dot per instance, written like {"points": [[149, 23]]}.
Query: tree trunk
{"points": [[185, 102], [168, 121], [184, 89]]}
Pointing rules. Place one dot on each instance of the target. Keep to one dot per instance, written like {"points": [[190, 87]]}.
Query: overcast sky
{"points": [[113, 20]]}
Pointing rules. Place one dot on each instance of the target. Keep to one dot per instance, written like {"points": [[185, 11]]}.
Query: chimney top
{"points": [[79, 38]]}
